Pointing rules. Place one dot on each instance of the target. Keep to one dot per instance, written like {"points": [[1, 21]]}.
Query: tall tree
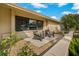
{"points": [[70, 21]]}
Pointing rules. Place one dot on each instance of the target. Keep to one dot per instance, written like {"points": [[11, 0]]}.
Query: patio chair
{"points": [[48, 33], [52, 33], [36, 35], [42, 34]]}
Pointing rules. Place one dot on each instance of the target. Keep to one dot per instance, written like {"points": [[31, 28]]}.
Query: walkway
{"points": [[61, 48]]}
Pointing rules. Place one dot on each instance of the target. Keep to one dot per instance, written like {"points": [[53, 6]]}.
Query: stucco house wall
{"points": [[5, 22], [7, 19]]}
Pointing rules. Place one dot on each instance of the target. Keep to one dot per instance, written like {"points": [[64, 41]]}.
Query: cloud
{"points": [[39, 5], [61, 4], [54, 17], [38, 11], [75, 6], [66, 12]]}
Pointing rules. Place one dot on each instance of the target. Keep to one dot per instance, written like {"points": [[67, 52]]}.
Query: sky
{"points": [[53, 10]]}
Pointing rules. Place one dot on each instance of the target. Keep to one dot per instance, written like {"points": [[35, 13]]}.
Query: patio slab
{"points": [[39, 43], [44, 47]]}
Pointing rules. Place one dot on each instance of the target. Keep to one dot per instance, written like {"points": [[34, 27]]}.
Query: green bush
{"points": [[3, 52], [17, 38], [74, 47], [6, 43], [76, 35], [26, 51]]}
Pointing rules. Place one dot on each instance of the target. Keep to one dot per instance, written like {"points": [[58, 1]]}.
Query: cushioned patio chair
{"points": [[38, 35]]}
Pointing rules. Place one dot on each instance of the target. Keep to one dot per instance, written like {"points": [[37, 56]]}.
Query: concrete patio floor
{"points": [[39, 43], [39, 47]]}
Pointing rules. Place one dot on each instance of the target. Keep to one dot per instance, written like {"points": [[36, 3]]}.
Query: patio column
{"points": [[45, 25], [12, 21]]}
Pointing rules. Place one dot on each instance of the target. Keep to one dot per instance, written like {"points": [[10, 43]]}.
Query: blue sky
{"points": [[53, 10]]}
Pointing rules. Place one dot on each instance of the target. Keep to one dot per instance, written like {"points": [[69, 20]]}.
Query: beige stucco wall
{"points": [[4, 20], [53, 26], [7, 19], [47, 23]]}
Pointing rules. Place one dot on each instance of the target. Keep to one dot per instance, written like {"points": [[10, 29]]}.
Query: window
{"points": [[23, 23], [40, 24], [32, 24]]}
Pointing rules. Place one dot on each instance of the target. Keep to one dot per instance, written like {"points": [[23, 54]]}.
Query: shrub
{"points": [[26, 51], [3, 52], [74, 47], [6, 43], [76, 35], [17, 38]]}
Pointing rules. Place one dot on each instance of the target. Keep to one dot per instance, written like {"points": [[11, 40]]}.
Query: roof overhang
{"points": [[12, 5]]}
